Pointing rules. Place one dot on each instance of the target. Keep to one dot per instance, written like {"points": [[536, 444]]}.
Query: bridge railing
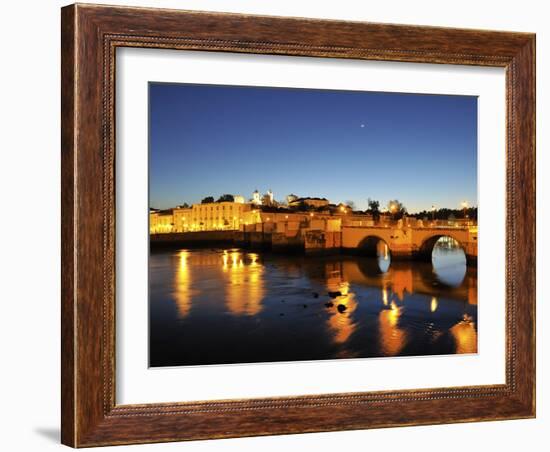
{"points": [[410, 222]]}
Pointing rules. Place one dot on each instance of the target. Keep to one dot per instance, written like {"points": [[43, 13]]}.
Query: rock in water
{"points": [[335, 294], [341, 308]]}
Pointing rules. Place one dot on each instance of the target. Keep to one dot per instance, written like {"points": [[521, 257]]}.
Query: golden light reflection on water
{"points": [[402, 282], [472, 290], [395, 285], [385, 295], [224, 260], [465, 336], [253, 259], [340, 322], [245, 288], [402, 279], [241, 276], [392, 338], [433, 304], [182, 285]]}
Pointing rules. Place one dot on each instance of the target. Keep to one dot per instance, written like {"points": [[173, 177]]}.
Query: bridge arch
{"points": [[450, 271], [370, 244], [428, 244], [375, 247]]}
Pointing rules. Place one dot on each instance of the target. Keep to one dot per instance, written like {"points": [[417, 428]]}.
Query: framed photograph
{"points": [[281, 225]]}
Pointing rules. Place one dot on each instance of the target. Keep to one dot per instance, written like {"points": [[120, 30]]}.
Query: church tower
{"points": [[256, 198]]}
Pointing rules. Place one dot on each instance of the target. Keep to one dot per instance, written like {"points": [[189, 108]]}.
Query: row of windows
{"points": [[208, 216], [211, 208], [195, 219]]}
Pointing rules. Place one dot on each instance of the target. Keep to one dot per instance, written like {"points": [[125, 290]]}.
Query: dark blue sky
{"points": [[342, 145]]}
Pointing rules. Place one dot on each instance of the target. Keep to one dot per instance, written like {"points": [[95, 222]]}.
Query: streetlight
{"points": [[393, 208], [433, 213], [464, 207]]}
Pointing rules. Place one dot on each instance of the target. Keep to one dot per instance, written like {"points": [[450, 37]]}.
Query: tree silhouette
{"points": [[226, 198], [374, 209]]}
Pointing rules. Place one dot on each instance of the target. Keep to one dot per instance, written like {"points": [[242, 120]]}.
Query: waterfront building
{"points": [[234, 216], [183, 219], [218, 216], [237, 215], [161, 221], [251, 216], [212, 216]]}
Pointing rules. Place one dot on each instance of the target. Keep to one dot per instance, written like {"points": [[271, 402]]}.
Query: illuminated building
{"points": [[269, 197], [266, 200], [183, 219], [214, 216], [218, 216], [256, 198], [238, 215], [161, 221]]}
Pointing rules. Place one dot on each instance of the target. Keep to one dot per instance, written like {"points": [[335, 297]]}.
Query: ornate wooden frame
{"points": [[90, 35]]}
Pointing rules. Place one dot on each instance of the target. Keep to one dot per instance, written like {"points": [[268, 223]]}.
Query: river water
{"points": [[216, 306]]}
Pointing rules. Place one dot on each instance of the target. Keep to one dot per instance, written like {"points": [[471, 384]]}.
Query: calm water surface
{"points": [[218, 306]]}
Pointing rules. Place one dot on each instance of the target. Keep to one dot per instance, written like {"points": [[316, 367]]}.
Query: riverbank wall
{"points": [[308, 242], [198, 239]]}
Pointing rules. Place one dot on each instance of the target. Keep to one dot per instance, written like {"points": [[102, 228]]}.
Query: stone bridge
{"points": [[408, 242]]}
